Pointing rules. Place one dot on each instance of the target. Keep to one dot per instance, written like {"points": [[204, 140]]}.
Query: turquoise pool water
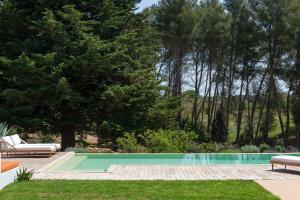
{"points": [[101, 162]]}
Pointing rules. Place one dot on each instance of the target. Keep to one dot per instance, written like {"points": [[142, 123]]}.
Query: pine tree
{"points": [[175, 23], [70, 69]]}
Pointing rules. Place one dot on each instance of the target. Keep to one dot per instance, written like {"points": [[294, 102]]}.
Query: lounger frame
{"points": [[8, 149]]}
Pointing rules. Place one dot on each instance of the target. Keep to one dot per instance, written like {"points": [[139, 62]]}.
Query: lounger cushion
{"points": [[8, 165], [57, 146], [8, 140], [286, 159], [29, 147], [15, 139]]}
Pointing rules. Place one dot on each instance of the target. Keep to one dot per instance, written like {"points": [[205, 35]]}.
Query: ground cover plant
{"points": [[24, 175], [136, 190]]}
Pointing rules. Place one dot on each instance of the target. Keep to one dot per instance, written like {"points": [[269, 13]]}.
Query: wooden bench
{"points": [[286, 161]]}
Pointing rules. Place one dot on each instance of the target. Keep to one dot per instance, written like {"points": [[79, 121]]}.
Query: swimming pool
{"points": [[101, 162]]}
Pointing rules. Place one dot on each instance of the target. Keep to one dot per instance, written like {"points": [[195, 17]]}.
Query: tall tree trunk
{"points": [[223, 90], [232, 66], [202, 109], [281, 122], [256, 98], [260, 115], [214, 102], [285, 130], [198, 81], [272, 45], [196, 96], [67, 137], [177, 85], [209, 97], [240, 108]]}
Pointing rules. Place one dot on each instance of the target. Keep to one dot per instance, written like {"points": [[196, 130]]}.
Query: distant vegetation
{"points": [[182, 76]]}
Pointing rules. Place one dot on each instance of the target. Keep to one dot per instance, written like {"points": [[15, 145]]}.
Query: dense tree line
{"points": [[212, 67], [241, 60]]}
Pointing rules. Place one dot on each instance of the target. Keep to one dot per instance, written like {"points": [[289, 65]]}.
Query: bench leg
{"points": [[285, 166], [272, 167]]}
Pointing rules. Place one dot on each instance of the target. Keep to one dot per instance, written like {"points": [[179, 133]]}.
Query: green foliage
{"points": [[168, 141], [82, 143], [175, 22], [161, 114], [128, 143], [279, 149], [161, 141], [230, 151], [4, 130], [264, 147], [292, 149], [77, 149], [219, 132], [46, 138], [24, 175], [197, 128], [250, 149], [213, 148], [71, 66], [205, 148]]}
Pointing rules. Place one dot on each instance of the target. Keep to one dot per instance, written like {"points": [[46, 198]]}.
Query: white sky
{"points": [[145, 4]]}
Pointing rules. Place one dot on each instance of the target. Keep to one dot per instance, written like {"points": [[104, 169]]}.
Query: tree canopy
{"points": [[227, 70]]}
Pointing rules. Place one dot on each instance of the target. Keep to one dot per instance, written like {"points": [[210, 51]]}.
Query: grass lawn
{"points": [[133, 190]]}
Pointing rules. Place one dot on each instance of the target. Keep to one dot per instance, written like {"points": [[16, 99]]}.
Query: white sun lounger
{"points": [[14, 144], [285, 160]]}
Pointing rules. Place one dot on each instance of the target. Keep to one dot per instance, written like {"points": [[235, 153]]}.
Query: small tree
{"points": [[219, 130]]}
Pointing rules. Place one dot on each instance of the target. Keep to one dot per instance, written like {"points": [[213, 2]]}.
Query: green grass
{"points": [[133, 190]]}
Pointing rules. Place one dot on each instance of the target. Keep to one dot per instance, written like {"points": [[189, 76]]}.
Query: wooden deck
{"points": [[35, 162], [161, 172]]}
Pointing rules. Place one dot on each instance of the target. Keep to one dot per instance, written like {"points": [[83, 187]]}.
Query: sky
{"points": [[145, 4]]}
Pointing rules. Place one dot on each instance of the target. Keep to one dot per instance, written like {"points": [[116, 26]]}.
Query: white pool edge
{"points": [[54, 162]]}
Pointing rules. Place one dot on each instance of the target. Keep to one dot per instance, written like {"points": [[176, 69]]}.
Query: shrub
{"points": [[212, 148], [219, 132], [168, 141], [270, 151], [77, 149], [279, 148], [246, 137], [250, 149], [227, 148], [46, 138], [24, 175], [207, 148], [197, 128], [230, 151], [264, 147], [293, 149], [128, 143], [82, 143]]}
